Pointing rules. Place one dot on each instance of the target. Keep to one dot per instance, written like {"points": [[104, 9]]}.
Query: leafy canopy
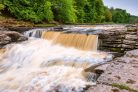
{"points": [[65, 11]]}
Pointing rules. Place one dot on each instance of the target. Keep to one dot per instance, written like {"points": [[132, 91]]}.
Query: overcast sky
{"points": [[130, 5]]}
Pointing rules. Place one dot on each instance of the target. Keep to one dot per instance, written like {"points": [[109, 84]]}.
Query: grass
{"points": [[122, 86]]}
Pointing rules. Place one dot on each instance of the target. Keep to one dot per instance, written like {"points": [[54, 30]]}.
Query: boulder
{"points": [[7, 37]]}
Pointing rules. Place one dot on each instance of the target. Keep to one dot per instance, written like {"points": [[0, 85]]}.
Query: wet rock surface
{"points": [[7, 37], [123, 72]]}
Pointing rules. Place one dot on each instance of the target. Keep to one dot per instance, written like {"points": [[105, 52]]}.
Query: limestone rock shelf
{"points": [[119, 40]]}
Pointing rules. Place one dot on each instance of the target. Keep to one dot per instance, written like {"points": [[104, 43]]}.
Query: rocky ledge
{"points": [[119, 40], [120, 75], [7, 37]]}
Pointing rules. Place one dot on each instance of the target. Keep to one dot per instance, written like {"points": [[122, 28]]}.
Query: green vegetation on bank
{"points": [[65, 11], [1, 7], [120, 86]]}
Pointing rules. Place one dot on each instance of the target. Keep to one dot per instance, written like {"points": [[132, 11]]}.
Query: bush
{"points": [[1, 7]]}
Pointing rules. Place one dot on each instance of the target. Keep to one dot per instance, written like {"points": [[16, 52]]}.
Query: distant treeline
{"points": [[65, 11]]}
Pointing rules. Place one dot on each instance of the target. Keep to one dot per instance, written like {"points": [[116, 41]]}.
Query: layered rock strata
{"points": [[119, 40]]}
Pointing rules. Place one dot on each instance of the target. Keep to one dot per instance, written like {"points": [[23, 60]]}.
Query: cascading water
{"points": [[79, 41], [41, 65], [36, 33]]}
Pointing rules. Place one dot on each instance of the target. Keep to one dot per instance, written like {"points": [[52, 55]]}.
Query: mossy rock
{"points": [[117, 49]]}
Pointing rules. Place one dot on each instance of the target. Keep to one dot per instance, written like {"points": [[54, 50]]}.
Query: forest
{"points": [[65, 11]]}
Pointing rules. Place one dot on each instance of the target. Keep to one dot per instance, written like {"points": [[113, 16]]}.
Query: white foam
{"points": [[21, 67]]}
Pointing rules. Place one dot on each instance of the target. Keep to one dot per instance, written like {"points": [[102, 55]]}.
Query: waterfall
{"points": [[34, 33], [79, 41], [55, 61], [86, 42]]}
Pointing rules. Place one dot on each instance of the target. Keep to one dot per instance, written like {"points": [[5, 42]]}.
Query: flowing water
{"points": [[53, 62], [79, 41]]}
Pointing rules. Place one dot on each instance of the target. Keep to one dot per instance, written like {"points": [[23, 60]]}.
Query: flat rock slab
{"points": [[121, 71]]}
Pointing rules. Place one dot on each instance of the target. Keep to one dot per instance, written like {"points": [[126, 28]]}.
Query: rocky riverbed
{"points": [[119, 75]]}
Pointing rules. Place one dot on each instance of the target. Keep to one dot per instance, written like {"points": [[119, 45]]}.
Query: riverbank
{"points": [[12, 22], [7, 21]]}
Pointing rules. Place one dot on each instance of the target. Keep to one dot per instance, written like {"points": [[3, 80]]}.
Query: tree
{"points": [[133, 19], [80, 4], [35, 11], [120, 16], [108, 15], [48, 11], [64, 11], [94, 11], [91, 12], [99, 7]]}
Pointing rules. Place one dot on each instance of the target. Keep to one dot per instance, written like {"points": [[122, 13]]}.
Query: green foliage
{"points": [[108, 15], [90, 12], [99, 8], [120, 86], [65, 11], [120, 16], [28, 10], [94, 11], [133, 19], [80, 4], [48, 11], [1, 6]]}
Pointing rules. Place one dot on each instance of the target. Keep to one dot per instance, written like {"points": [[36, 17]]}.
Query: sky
{"points": [[130, 5]]}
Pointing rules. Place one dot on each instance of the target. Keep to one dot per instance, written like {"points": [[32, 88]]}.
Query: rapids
{"points": [[28, 67], [41, 65]]}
